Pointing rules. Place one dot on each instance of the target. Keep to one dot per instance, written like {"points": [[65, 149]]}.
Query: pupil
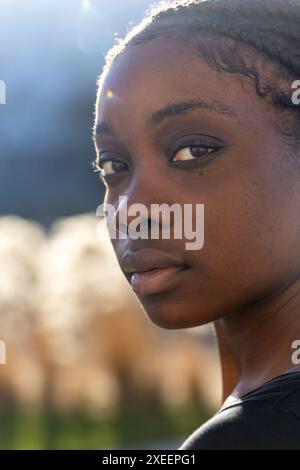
{"points": [[197, 151], [117, 166]]}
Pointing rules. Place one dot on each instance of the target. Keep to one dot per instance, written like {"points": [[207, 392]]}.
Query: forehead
{"points": [[148, 76]]}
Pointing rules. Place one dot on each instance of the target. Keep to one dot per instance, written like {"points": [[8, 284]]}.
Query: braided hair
{"points": [[235, 36]]}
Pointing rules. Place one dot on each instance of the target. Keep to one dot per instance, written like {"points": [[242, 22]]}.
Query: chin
{"points": [[174, 315]]}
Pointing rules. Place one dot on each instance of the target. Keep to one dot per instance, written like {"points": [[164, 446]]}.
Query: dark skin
{"points": [[246, 277]]}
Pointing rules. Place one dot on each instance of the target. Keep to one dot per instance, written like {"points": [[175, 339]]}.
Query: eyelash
{"points": [[192, 163]]}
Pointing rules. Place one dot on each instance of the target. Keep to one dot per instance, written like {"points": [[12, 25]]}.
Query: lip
{"points": [[150, 271], [155, 280]]}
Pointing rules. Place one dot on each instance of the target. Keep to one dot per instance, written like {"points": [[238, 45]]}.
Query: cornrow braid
{"points": [[270, 29]]}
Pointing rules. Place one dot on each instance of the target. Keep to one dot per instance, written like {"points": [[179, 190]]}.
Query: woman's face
{"points": [[241, 170]]}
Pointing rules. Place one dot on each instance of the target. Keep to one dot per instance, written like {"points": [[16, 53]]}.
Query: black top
{"points": [[265, 418]]}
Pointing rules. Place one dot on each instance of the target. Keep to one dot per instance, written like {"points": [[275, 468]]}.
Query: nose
{"points": [[143, 210]]}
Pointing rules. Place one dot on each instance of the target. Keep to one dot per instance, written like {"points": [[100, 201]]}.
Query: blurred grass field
{"points": [[38, 430]]}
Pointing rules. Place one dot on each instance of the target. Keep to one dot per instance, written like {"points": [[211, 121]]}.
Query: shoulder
{"points": [[267, 417], [247, 426]]}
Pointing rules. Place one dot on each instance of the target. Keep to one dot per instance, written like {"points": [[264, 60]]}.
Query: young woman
{"points": [[195, 105]]}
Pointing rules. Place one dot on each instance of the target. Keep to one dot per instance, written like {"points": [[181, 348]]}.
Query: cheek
{"points": [[248, 248]]}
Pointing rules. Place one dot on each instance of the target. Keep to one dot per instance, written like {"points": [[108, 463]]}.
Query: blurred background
{"points": [[85, 368]]}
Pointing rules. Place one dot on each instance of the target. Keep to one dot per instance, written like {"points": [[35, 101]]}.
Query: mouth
{"points": [[150, 270], [155, 280]]}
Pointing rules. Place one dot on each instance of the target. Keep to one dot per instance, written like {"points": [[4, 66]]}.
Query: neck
{"points": [[255, 343]]}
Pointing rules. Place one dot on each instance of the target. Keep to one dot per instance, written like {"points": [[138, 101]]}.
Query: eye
{"points": [[193, 152], [111, 166]]}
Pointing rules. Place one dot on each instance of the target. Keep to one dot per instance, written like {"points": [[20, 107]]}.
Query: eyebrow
{"points": [[174, 109], [183, 107]]}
